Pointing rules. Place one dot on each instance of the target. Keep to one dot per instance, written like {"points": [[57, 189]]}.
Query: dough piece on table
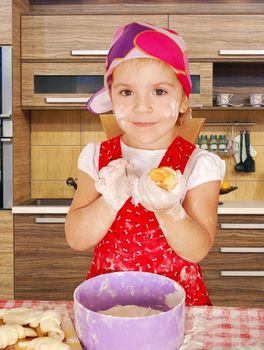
{"points": [[44, 343], [22, 316], [49, 321], [165, 177], [130, 311], [10, 333]]}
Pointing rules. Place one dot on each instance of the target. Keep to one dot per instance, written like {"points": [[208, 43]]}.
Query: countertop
{"points": [[232, 207], [206, 327]]}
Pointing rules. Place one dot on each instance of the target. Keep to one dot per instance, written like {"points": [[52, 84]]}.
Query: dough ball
{"points": [[164, 177]]}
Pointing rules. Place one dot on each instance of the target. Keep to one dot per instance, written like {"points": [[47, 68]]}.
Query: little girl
{"points": [[132, 223]]}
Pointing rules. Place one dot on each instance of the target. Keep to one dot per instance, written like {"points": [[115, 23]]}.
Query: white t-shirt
{"points": [[203, 166]]}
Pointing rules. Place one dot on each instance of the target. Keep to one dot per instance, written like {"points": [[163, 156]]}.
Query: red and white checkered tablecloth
{"points": [[206, 327]]}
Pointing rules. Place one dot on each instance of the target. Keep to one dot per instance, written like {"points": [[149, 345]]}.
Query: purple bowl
{"points": [[164, 331]]}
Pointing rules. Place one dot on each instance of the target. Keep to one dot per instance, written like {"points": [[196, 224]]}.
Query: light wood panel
{"points": [[55, 128], [6, 22], [54, 162], [6, 255], [42, 35], [250, 190], [52, 189], [91, 128], [21, 119], [206, 35], [153, 7], [29, 70]]}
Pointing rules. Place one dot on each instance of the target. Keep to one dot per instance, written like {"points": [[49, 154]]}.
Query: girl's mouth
{"points": [[143, 125]]}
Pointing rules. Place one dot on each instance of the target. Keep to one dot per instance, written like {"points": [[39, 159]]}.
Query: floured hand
{"points": [[156, 199], [115, 184]]}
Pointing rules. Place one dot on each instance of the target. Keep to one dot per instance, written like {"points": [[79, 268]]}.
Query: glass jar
{"points": [[222, 143], [213, 143], [204, 142]]}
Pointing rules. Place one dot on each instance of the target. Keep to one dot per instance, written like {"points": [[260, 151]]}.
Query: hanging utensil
{"points": [[249, 163], [240, 166]]}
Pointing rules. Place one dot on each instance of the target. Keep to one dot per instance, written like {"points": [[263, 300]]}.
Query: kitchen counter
{"points": [[232, 207], [206, 327]]}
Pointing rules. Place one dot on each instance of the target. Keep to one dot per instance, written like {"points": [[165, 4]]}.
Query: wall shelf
{"points": [[235, 123]]}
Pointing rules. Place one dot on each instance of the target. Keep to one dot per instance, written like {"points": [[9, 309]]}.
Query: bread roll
{"points": [[164, 177]]}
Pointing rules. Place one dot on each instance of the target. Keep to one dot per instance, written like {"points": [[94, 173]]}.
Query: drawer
{"points": [[234, 291], [58, 37], [46, 268], [60, 84], [217, 36], [235, 261], [239, 238]]}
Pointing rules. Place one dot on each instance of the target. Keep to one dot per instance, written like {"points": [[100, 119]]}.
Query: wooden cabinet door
{"points": [[206, 35], [46, 268], [202, 84], [5, 22], [6, 255], [58, 72], [234, 269], [54, 37]]}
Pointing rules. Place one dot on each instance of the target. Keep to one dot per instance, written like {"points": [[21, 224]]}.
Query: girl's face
{"points": [[147, 99]]}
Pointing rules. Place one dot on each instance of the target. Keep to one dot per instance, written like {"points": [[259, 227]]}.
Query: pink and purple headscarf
{"points": [[142, 40]]}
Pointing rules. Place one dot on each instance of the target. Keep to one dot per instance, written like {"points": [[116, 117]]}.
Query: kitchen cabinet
{"points": [[217, 36], [202, 83], [64, 36], [46, 268], [234, 269], [6, 255], [59, 84], [6, 22]]}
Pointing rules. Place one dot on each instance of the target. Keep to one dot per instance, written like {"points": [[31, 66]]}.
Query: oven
{"points": [[6, 130]]}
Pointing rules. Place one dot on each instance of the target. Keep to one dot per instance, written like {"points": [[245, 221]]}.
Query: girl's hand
{"points": [[115, 184], [156, 199]]}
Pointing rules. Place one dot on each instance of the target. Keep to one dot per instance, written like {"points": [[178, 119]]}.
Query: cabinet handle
{"points": [[5, 116], [241, 52], [242, 226], [241, 250], [50, 220], [89, 52], [242, 273], [5, 139], [66, 99]]}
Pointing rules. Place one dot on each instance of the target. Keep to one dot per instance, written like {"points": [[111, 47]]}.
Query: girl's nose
{"points": [[142, 105]]}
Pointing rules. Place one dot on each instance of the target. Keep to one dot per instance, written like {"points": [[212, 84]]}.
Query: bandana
{"points": [[142, 40]]}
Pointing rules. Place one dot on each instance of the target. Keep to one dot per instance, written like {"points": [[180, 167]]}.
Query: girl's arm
{"points": [[192, 237], [89, 217]]}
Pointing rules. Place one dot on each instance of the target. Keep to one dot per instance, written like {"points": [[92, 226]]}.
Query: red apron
{"points": [[136, 242]]}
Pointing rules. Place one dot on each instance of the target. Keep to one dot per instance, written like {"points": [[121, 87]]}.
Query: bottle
{"points": [[204, 142], [222, 143], [213, 143]]}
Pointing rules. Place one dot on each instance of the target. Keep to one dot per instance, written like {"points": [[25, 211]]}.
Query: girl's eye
{"points": [[126, 92], [159, 92]]}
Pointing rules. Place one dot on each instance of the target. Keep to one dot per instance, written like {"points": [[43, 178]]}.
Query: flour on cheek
{"points": [[174, 109], [121, 114]]}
